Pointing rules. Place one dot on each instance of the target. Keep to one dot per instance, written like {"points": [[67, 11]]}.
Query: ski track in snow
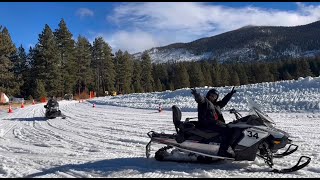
{"points": [[109, 141]]}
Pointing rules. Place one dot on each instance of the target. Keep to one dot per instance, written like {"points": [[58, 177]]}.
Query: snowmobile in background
{"points": [[254, 136], [52, 110]]}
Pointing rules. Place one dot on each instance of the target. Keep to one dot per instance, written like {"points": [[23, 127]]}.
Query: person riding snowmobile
{"points": [[52, 108], [210, 116], [52, 102]]}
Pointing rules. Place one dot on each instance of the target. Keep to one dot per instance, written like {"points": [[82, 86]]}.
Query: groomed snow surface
{"points": [[109, 140]]}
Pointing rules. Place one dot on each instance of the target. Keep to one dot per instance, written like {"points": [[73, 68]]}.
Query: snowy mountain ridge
{"points": [[250, 43]]}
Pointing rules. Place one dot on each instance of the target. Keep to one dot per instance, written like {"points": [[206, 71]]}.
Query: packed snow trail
{"points": [[109, 141]]}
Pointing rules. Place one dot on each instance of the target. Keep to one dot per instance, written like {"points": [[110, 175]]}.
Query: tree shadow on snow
{"points": [[138, 165], [29, 119]]}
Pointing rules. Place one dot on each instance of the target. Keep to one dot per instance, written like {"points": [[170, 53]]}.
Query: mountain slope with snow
{"points": [[252, 43]]}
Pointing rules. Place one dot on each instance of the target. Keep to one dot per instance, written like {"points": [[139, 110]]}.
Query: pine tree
{"points": [[196, 75], [83, 61], [234, 79], [40, 90], [123, 66], [225, 76], [172, 75], [171, 86], [262, 73], [8, 83], [146, 74], [68, 56], [302, 69], [155, 76], [243, 78], [182, 77], [207, 72], [21, 70], [216, 73], [108, 71], [103, 65], [286, 75], [48, 63], [158, 85], [161, 72], [118, 69], [31, 58], [136, 78], [19, 61], [318, 66], [314, 66], [273, 68], [128, 70], [30, 84], [250, 68]]}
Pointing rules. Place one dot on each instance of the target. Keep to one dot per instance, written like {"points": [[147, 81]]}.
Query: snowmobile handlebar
{"points": [[187, 119], [236, 113]]}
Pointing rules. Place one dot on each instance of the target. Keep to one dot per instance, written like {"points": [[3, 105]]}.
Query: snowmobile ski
{"points": [[295, 167], [287, 152]]}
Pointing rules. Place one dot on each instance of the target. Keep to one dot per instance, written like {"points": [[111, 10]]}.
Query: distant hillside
{"points": [[250, 43]]}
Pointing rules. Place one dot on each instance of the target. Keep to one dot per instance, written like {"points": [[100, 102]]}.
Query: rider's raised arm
{"points": [[199, 99], [226, 98]]}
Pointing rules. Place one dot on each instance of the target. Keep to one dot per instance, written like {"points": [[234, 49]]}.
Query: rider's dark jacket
{"points": [[209, 114], [52, 103]]}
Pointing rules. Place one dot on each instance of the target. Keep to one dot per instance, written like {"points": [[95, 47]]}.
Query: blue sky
{"points": [[142, 25]]}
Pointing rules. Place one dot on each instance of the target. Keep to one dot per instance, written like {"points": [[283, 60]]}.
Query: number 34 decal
{"points": [[253, 134]]}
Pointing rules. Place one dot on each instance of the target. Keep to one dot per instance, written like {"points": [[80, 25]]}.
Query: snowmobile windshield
{"points": [[255, 109]]}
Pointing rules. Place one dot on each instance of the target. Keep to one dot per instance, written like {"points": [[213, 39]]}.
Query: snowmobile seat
{"points": [[204, 134], [190, 127]]}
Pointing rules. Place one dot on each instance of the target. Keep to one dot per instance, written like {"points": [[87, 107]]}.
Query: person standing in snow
{"points": [[160, 107], [211, 118]]}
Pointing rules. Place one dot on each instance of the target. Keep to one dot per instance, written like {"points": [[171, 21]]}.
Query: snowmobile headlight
{"points": [[276, 142]]}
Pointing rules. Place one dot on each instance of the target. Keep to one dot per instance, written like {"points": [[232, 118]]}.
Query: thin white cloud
{"points": [[133, 41], [84, 12], [161, 23]]}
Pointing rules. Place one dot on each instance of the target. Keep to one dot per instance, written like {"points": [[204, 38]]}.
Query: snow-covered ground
{"points": [[109, 140]]}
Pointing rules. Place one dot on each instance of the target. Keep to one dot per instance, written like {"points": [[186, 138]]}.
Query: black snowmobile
{"points": [[254, 136], [52, 110]]}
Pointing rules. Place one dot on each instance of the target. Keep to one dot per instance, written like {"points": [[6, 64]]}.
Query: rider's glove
{"points": [[233, 91], [193, 91]]}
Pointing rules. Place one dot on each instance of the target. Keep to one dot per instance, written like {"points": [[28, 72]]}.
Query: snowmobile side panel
{"points": [[252, 136], [246, 153], [211, 149]]}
